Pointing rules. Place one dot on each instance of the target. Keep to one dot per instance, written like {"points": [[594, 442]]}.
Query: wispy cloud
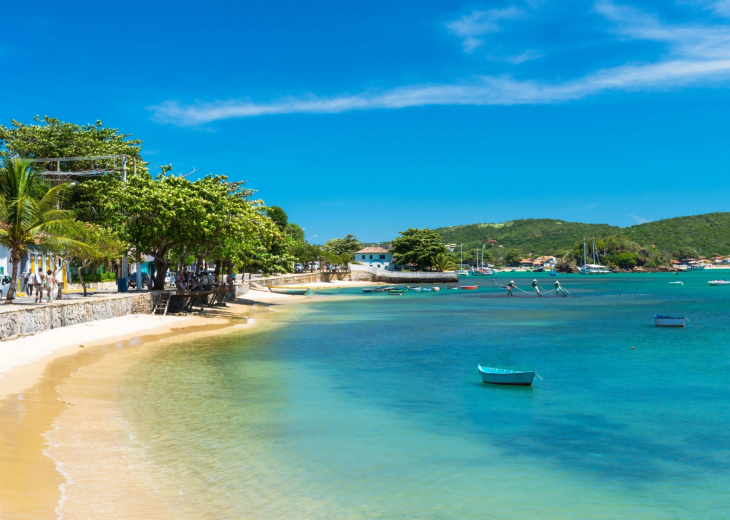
{"points": [[473, 26], [693, 54], [638, 219]]}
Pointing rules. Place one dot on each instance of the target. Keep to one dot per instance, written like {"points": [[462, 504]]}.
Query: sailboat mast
{"points": [[584, 251], [594, 250]]}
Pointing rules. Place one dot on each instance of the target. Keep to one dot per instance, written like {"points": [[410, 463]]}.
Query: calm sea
{"points": [[358, 406]]}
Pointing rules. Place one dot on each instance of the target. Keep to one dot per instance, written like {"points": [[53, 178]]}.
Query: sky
{"points": [[372, 117]]}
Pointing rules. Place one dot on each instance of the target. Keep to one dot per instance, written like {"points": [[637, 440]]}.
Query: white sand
{"points": [[30, 350]]}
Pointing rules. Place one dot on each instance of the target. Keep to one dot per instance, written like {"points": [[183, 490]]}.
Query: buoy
{"points": [[632, 348]]}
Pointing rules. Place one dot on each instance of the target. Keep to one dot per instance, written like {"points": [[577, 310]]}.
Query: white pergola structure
{"points": [[59, 176]]}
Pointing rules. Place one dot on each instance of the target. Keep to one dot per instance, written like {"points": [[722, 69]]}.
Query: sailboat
{"points": [[461, 271], [593, 268]]}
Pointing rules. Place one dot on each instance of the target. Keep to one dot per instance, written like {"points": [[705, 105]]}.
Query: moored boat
{"points": [[468, 287], [719, 282], [553, 272], [452, 287], [503, 376], [288, 289], [400, 290], [396, 293], [669, 321], [368, 290]]}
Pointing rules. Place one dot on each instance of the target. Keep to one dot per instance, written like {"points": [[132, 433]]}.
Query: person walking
{"points": [[38, 281], [511, 285], [51, 286], [559, 289], [536, 287]]}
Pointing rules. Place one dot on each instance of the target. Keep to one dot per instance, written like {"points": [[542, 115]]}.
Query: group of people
{"points": [[187, 281], [42, 283], [558, 288]]}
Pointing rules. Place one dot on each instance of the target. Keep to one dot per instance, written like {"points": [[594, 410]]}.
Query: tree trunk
{"points": [[162, 266], [13, 280]]}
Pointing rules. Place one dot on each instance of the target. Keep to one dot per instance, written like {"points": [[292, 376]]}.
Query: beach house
{"points": [[375, 257]]}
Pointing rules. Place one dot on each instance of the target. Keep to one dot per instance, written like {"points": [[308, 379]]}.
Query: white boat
{"points": [[719, 282], [503, 376], [678, 283], [593, 268], [669, 321]]}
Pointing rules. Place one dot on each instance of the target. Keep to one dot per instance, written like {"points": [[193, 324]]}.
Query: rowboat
{"points": [[426, 289], [676, 283], [553, 272], [379, 289], [454, 287], [719, 282], [417, 289], [396, 293], [669, 321], [288, 289], [436, 289], [468, 287], [503, 376], [368, 290]]}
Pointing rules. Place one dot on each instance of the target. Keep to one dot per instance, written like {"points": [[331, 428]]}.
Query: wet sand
{"points": [[59, 420]]}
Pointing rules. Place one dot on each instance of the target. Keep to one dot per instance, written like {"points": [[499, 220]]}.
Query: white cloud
{"points": [[486, 90], [695, 54], [472, 26]]}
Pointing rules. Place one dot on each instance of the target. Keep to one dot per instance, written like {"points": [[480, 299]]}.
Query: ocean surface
{"points": [[359, 406]]}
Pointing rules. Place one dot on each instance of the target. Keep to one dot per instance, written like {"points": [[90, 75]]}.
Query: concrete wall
{"points": [[20, 321], [364, 272]]}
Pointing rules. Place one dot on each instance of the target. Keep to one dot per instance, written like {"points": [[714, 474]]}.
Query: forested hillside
{"points": [[709, 232]]}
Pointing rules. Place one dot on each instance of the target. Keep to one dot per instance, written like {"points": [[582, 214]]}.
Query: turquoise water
{"points": [[370, 406]]}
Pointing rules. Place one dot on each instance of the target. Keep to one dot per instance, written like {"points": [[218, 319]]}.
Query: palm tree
{"points": [[28, 216], [443, 262]]}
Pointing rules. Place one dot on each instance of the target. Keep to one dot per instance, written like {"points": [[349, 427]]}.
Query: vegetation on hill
{"points": [[709, 233]]}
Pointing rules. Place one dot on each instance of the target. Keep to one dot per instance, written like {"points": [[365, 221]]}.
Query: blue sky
{"points": [[372, 117]]}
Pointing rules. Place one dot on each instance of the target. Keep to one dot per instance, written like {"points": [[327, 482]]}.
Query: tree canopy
{"points": [[51, 137], [418, 246], [347, 245]]}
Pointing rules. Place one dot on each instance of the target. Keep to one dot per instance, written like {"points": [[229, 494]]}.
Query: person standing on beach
{"points": [[511, 285], [51, 286], [537, 287], [28, 283], [38, 282]]}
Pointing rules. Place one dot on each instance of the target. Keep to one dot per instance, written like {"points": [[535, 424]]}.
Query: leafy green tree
{"points": [[418, 246], [54, 138], [295, 232], [101, 245], [512, 257], [28, 221], [683, 254], [350, 245], [279, 216]]}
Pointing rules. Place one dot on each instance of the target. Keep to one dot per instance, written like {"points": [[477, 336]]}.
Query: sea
{"points": [[370, 406]]}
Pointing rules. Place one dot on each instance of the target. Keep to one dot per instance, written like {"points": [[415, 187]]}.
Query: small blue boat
{"points": [[368, 290], [426, 289], [553, 272], [503, 376]]}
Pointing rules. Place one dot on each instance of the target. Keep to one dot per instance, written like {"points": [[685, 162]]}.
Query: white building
{"points": [[375, 257]]}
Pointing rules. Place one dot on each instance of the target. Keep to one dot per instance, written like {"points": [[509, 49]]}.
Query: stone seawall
{"points": [[16, 322]]}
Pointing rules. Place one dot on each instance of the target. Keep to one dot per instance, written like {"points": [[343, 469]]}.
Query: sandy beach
{"points": [[58, 386]]}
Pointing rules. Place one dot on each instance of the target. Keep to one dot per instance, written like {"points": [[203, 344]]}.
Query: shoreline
{"points": [[38, 371]]}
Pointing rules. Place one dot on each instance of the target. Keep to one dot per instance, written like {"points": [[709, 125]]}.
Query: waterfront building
{"points": [[375, 257]]}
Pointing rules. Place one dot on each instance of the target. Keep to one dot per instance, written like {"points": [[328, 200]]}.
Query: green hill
{"points": [[709, 232]]}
